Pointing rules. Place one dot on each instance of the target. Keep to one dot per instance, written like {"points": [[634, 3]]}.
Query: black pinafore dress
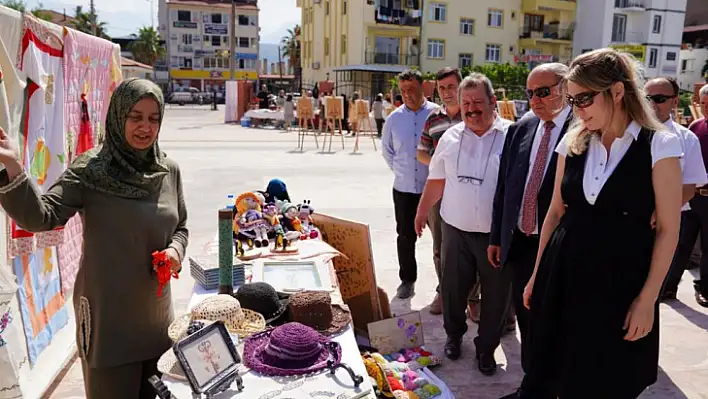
{"points": [[594, 266]]}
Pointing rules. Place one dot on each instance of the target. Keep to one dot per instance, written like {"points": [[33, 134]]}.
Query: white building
{"points": [[651, 30], [692, 61]]}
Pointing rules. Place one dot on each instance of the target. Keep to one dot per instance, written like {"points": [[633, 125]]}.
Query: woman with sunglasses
{"points": [[593, 294]]}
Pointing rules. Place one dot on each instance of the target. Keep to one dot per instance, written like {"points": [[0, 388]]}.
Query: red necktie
{"points": [[530, 203]]}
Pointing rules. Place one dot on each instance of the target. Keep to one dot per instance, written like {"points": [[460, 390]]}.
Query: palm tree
{"points": [[21, 6], [146, 48], [85, 22], [290, 46]]}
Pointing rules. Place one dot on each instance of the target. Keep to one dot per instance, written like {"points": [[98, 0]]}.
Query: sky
{"points": [[127, 16]]}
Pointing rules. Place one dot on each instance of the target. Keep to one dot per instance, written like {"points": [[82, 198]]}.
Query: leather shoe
{"points": [[436, 305], [405, 290], [701, 294], [453, 348], [486, 363]]}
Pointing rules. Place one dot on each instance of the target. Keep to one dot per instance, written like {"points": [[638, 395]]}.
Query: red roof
{"points": [[127, 62], [60, 18], [695, 28], [272, 76]]}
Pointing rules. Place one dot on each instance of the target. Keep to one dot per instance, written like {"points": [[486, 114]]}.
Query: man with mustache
{"points": [[399, 143], [463, 172], [663, 94], [525, 188], [438, 122]]}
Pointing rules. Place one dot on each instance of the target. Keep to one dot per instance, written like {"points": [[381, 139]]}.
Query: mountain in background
{"points": [[269, 51]]}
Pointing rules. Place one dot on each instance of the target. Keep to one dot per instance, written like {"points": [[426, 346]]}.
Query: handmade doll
{"points": [[270, 214], [305, 211], [289, 220], [251, 224]]}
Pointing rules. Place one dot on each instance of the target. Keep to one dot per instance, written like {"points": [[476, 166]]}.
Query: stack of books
{"points": [[205, 271]]}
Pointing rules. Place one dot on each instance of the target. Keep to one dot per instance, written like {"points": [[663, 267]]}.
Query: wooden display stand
{"points": [[305, 119], [334, 112], [507, 109], [361, 107]]}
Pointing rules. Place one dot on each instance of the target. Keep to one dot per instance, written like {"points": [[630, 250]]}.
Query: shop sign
{"points": [[215, 74], [246, 56], [203, 53], [215, 29], [202, 74], [533, 58], [184, 24], [638, 51]]}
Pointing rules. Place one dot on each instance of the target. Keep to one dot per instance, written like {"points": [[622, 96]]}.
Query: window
{"points": [[243, 20], [246, 64], [684, 65], [653, 55], [207, 38], [670, 56], [185, 62], [216, 63], [186, 38], [465, 60], [467, 27], [656, 25], [344, 44], [533, 22], [326, 47], [344, 7], [184, 16], [216, 40], [438, 12], [215, 18], [619, 27], [493, 53], [225, 40], [244, 42], [495, 18], [436, 48]]}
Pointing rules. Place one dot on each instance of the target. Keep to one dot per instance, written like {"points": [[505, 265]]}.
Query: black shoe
{"points": [[453, 348], [486, 363], [405, 290], [701, 293]]}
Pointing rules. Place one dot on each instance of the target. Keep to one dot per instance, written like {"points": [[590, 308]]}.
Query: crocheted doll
{"points": [[270, 214], [289, 220], [308, 228], [251, 224]]}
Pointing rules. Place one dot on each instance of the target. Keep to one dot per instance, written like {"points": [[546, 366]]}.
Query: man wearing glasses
{"points": [[663, 94], [399, 143], [525, 187], [463, 172]]}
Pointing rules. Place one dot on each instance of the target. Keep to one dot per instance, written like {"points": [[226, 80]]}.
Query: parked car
{"points": [[190, 95]]}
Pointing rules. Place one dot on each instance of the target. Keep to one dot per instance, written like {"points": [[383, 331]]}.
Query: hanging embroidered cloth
{"points": [[41, 139]]}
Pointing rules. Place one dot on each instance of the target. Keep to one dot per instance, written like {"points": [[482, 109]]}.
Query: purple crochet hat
{"points": [[291, 349]]}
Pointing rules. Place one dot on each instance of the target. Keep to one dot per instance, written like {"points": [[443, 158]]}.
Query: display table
{"points": [[258, 386]]}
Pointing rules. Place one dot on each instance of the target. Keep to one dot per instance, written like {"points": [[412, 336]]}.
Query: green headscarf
{"points": [[116, 168]]}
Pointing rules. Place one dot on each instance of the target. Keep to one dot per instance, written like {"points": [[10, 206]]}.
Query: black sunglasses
{"points": [[659, 98], [540, 92], [582, 100]]}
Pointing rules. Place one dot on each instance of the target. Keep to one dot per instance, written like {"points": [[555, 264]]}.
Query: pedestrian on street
{"points": [[401, 135], [663, 93], [448, 81], [601, 264], [525, 187], [377, 108], [129, 196], [463, 172]]}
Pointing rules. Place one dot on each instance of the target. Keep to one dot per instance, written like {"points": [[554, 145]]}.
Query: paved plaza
{"points": [[218, 159]]}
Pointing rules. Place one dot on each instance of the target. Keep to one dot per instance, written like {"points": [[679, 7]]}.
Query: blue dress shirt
{"points": [[400, 139]]}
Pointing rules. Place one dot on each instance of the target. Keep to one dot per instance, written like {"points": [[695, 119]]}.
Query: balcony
{"points": [[390, 16], [385, 58], [548, 5], [628, 37], [550, 33], [630, 5]]}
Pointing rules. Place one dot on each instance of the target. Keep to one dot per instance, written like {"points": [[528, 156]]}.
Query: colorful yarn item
{"points": [[162, 265]]}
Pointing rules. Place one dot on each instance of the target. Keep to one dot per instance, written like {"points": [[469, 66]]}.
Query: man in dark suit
{"points": [[525, 188]]}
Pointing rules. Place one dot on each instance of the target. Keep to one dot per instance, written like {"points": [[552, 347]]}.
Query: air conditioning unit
{"points": [[316, 65]]}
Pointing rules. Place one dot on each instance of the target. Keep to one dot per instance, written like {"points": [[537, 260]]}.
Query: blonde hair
{"points": [[598, 70]]}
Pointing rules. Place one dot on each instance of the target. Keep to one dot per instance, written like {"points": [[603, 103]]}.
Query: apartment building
{"points": [[197, 36], [546, 33], [694, 50], [462, 33], [651, 30], [358, 44]]}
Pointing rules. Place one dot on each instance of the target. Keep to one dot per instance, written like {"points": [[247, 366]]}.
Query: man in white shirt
{"points": [[663, 94], [463, 172]]}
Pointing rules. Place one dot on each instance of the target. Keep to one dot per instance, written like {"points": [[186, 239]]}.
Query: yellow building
{"points": [[547, 30], [463, 33], [197, 34], [358, 44]]}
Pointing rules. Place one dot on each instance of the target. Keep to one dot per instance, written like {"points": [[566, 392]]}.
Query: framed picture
{"points": [[396, 333], [209, 358], [362, 108], [289, 277], [334, 107], [304, 108]]}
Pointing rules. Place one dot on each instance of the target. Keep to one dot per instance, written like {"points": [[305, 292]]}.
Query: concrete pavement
{"points": [[218, 159]]}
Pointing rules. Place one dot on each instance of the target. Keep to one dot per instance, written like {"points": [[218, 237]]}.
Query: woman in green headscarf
{"points": [[129, 196]]}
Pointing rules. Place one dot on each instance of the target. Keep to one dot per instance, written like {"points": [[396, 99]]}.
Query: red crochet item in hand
{"points": [[162, 265]]}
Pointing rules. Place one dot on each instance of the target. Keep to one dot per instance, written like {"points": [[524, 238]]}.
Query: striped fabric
{"points": [[438, 122]]}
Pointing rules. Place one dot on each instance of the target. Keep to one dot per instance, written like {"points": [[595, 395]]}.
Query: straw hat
{"points": [[242, 322]]}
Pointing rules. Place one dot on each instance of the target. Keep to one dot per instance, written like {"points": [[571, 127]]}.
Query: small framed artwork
{"points": [[396, 333], [209, 359], [334, 107], [362, 108], [290, 277], [304, 108]]}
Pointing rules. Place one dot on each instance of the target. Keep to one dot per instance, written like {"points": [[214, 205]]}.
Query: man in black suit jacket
{"points": [[525, 187]]}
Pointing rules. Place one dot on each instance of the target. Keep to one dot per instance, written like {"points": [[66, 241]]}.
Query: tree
{"points": [[146, 48], [85, 22], [504, 76], [21, 6], [290, 46]]}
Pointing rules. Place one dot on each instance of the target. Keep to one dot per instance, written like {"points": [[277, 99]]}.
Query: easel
{"points": [[362, 112], [507, 109], [334, 112], [305, 119]]}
